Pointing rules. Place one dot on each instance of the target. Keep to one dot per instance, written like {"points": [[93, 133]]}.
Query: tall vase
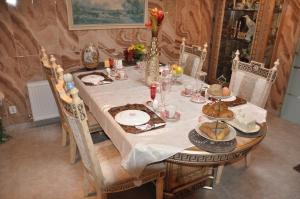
{"points": [[152, 67]]}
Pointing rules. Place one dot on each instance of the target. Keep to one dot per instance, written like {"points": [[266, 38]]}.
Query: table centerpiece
{"points": [[152, 66]]}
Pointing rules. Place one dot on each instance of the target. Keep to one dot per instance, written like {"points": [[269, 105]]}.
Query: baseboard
{"points": [[32, 124]]}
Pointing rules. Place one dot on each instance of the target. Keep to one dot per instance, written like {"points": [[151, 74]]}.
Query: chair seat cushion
{"points": [[116, 178]]}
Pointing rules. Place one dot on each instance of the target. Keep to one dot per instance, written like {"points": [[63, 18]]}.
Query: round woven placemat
{"points": [[211, 146]]}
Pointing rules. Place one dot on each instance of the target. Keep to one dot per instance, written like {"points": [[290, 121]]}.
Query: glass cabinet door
{"points": [[238, 30]]}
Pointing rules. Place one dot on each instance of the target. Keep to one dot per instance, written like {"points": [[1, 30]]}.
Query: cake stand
{"points": [[218, 119]]}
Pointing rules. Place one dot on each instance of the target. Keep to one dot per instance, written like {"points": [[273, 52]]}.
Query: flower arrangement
{"points": [[156, 17], [135, 52]]}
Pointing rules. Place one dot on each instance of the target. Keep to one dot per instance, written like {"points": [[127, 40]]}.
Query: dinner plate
{"points": [[230, 99], [94, 79], [132, 117], [235, 125], [229, 137]]}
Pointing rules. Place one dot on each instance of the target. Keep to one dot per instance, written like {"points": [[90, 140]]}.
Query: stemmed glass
{"points": [[198, 89], [165, 88]]}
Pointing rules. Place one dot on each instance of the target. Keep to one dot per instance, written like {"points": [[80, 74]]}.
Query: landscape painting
{"points": [[103, 14]]}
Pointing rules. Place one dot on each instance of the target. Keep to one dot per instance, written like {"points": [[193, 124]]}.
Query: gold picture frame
{"points": [[84, 15]]}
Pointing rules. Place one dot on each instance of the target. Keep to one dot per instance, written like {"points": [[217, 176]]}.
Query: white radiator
{"points": [[42, 102]]}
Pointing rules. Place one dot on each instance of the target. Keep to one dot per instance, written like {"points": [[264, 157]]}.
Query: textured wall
{"points": [[285, 48], [23, 29]]}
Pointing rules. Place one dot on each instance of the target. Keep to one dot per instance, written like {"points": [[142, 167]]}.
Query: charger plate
{"points": [[209, 145]]}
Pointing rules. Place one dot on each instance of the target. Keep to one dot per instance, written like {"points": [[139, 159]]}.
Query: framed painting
{"points": [[106, 14]]}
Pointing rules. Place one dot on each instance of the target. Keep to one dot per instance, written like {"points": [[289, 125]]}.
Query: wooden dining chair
{"points": [[252, 81], [54, 74], [49, 72], [192, 59], [102, 161]]}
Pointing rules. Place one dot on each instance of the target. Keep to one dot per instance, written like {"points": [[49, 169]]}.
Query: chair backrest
{"points": [[74, 110], [46, 63], [192, 58], [252, 81], [57, 70]]}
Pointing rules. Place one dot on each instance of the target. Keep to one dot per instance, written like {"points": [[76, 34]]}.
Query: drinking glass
{"points": [[165, 84]]}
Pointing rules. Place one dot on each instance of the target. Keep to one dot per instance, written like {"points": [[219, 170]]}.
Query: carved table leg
{"points": [[219, 173], [248, 159]]}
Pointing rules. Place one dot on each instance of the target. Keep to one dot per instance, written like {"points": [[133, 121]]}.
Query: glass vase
{"points": [[152, 67]]}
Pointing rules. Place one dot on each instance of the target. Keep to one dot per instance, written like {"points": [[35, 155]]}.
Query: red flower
{"points": [[160, 16], [148, 24]]}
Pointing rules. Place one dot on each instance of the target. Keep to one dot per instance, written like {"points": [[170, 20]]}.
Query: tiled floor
{"points": [[33, 165]]}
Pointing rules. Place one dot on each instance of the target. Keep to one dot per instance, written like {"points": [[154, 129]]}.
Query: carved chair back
{"points": [[74, 111], [252, 81], [192, 58]]}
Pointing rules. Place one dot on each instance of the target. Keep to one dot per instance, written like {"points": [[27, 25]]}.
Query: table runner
{"points": [[139, 150]]}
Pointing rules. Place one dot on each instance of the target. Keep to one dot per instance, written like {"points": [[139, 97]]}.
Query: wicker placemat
{"points": [[106, 78], [211, 146], [154, 118]]}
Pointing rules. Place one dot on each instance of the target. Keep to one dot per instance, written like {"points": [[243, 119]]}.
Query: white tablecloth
{"points": [[138, 150]]}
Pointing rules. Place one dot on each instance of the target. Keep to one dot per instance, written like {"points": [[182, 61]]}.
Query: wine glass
{"points": [[165, 88], [198, 89]]}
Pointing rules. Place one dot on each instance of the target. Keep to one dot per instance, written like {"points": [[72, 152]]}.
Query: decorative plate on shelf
{"points": [[90, 56]]}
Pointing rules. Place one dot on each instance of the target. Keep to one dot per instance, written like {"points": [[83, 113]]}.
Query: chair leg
{"points": [[160, 188], [101, 195], [219, 174], [248, 159], [73, 149], [86, 184], [64, 136]]}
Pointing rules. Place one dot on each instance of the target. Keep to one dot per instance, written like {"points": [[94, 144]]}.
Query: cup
{"points": [[108, 70], [122, 74], [171, 110], [188, 89]]}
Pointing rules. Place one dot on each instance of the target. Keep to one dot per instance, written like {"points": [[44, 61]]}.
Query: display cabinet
{"points": [[246, 25]]}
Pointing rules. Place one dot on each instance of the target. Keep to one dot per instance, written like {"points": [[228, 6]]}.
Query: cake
{"points": [[245, 121], [215, 89], [217, 109], [219, 133]]}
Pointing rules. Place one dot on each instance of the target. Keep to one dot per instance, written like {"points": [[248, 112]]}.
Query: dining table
{"points": [[170, 143]]}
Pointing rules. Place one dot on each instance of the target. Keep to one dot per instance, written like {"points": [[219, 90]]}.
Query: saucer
{"points": [[198, 100], [165, 114], [117, 77], [183, 93]]}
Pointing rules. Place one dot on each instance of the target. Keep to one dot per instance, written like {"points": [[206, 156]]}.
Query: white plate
{"points": [[94, 79], [132, 117], [235, 125], [232, 98], [230, 136]]}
